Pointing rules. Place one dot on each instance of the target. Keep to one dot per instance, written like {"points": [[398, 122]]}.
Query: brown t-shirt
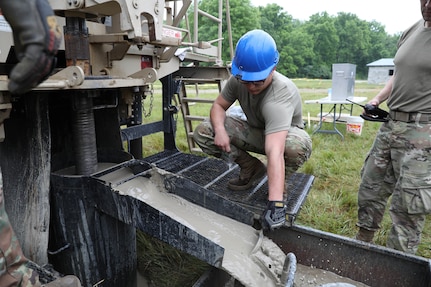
{"points": [[275, 109], [411, 90]]}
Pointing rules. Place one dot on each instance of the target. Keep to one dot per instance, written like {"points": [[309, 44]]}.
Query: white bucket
{"points": [[355, 125]]}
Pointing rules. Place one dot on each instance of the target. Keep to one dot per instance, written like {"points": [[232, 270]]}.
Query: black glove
{"points": [[374, 114], [37, 38], [274, 216]]}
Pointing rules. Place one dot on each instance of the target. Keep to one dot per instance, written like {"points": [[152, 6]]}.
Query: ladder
{"points": [[191, 72], [185, 102]]}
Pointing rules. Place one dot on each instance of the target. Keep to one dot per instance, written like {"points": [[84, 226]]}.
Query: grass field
{"points": [[331, 205]]}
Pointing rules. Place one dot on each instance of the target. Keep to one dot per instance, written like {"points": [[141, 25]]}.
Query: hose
{"points": [[289, 270]]}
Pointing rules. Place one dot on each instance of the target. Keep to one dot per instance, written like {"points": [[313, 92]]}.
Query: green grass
{"points": [[331, 205], [163, 265]]}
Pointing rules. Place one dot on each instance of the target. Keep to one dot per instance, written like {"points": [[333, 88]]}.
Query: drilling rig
{"points": [[81, 116], [77, 186]]}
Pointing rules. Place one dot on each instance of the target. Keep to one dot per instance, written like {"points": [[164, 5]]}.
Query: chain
{"points": [[149, 91]]}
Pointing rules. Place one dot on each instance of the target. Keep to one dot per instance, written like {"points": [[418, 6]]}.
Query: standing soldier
{"points": [[399, 162]]}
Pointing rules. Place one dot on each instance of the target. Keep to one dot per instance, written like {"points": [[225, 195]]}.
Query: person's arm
{"points": [[274, 149], [217, 117], [384, 93]]}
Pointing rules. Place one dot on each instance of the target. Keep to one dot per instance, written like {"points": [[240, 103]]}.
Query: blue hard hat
{"points": [[255, 56]]}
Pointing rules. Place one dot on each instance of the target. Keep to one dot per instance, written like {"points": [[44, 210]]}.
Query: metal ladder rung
{"points": [[198, 81], [194, 118], [195, 149], [185, 102], [197, 100]]}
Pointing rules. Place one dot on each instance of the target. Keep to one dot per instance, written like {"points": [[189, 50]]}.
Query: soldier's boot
{"points": [[36, 38], [252, 169], [66, 281], [365, 235]]}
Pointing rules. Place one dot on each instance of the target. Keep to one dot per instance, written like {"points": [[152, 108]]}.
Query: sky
{"points": [[395, 15]]}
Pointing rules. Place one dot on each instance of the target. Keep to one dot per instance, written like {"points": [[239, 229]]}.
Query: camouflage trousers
{"points": [[398, 164], [13, 264], [242, 136]]}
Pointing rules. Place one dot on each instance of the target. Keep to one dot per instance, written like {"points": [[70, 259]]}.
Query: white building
{"points": [[380, 71]]}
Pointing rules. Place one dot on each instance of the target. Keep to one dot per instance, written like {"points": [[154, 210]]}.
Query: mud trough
{"points": [[180, 199]]}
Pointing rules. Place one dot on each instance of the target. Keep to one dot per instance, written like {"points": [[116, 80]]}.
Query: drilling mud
{"points": [[249, 257], [308, 276]]}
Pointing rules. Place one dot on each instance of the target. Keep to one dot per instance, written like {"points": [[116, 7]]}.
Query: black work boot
{"points": [[36, 38], [365, 235], [252, 169]]}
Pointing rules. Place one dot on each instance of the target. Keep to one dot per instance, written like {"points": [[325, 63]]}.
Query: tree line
{"points": [[307, 48]]}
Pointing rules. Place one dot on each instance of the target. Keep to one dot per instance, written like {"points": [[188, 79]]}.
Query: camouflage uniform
{"points": [[377, 181], [399, 162], [243, 136], [13, 263], [411, 200]]}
